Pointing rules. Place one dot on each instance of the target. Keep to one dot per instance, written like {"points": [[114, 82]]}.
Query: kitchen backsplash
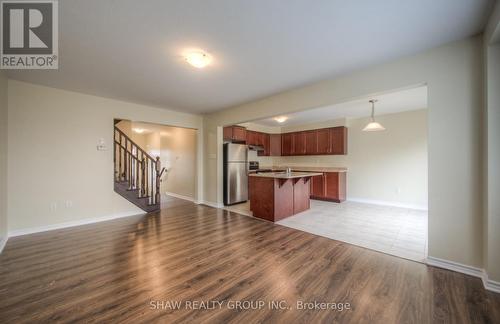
{"points": [[312, 161]]}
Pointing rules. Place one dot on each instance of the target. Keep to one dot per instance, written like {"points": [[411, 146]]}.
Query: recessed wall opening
{"points": [[370, 188], [154, 162]]}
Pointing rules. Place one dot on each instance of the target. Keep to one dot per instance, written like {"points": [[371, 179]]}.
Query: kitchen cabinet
{"points": [[323, 141], [235, 134], [299, 143], [252, 138], [330, 186], [338, 141], [311, 138], [275, 144], [286, 144], [264, 140], [336, 186], [318, 187]]}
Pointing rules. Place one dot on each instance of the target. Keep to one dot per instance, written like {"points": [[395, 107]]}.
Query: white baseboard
{"points": [[3, 241], [210, 204], [388, 203], [38, 229], [179, 196], [455, 266], [488, 284]]}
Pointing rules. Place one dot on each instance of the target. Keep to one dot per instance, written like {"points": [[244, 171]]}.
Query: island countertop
{"points": [[307, 168], [284, 175]]}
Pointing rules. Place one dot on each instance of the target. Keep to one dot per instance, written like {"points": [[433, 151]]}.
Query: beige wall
{"points": [[126, 127], [153, 144], [323, 124], [493, 163], [492, 147], [453, 74], [178, 155], [3, 157], [56, 174]]}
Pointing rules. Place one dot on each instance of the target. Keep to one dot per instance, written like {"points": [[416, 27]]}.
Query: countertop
{"points": [[284, 175], [307, 169]]}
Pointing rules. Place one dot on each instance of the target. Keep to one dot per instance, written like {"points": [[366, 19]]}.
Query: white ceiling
{"points": [[132, 50], [389, 103]]}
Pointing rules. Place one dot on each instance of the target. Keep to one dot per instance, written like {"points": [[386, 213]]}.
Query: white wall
{"points": [[389, 166], [53, 159], [3, 158], [492, 147], [493, 162], [453, 74], [126, 127], [178, 155]]}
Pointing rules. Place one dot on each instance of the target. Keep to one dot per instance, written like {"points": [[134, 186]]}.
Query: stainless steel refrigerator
{"points": [[235, 173]]}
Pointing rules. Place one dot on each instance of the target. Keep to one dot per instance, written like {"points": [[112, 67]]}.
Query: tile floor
{"points": [[397, 231]]}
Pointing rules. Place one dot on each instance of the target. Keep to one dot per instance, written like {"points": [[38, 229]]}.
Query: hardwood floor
{"points": [[116, 271]]}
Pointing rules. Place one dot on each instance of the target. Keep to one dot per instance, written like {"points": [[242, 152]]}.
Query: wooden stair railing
{"points": [[137, 175]]}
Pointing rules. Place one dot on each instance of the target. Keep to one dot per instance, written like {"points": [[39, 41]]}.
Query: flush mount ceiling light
{"points": [[198, 59], [373, 126], [138, 130], [281, 119]]}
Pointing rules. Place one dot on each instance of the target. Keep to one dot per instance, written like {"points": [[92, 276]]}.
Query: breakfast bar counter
{"points": [[277, 195]]}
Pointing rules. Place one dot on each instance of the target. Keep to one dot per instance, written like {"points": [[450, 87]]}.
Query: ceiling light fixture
{"points": [[373, 126], [281, 119], [198, 59], [138, 130]]}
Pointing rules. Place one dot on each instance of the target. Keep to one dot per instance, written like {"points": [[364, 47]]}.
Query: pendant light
{"points": [[373, 126]]}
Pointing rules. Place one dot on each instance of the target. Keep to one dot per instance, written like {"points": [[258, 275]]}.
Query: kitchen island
{"points": [[277, 195], [330, 185]]}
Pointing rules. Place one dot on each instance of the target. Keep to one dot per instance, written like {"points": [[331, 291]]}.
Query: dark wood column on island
{"points": [[277, 195]]}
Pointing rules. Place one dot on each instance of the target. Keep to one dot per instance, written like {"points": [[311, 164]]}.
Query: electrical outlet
{"points": [[69, 203], [101, 145]]}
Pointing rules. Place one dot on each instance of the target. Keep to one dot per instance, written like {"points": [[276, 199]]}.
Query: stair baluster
{"points": [[137, 174]]}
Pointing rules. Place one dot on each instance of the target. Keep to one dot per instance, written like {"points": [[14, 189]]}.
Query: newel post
{"points": [[158, 170]]}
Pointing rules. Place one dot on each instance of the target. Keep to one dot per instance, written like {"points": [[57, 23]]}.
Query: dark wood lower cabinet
{"points": [[273, 199], [330, 186], [318, 187]]}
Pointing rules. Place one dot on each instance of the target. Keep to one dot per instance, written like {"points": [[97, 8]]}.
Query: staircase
{"points": [[137, 174]]}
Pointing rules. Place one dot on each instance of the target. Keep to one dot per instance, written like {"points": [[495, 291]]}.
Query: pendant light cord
{"points": [[373, 109]]}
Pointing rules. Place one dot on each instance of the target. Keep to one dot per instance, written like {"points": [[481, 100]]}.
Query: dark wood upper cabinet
{"points": [[261, 139], [299, 143], [311, 142], [331, 141], [239, 134], [235, 134], [275, 144], [286, 144], [228, 133], [252, 137], [338, 140], [323, 139], [264, 140]]}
